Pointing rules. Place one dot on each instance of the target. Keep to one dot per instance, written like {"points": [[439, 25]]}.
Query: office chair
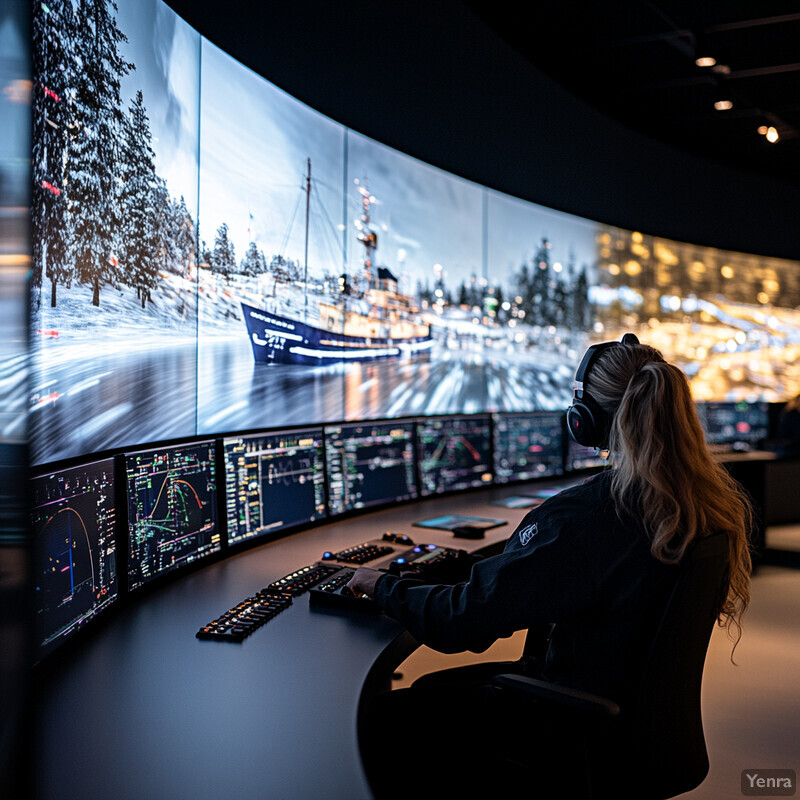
{"points": [[657, 749]]}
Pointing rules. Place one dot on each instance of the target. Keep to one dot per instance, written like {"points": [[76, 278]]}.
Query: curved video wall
{"points": [[210, 255], [248, 319]]}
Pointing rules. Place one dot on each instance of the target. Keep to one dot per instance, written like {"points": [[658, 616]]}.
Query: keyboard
{"points": [[360, 553], [334, 593], [434, 563], [239, 622], [301, 580]]}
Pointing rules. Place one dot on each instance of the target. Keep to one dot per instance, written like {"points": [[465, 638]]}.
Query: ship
{"points": [[369, 318]]}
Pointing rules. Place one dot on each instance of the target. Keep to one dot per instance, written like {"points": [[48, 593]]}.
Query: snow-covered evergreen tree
{"points": [[94, 158], [223, 258], [253, 262], [53, 29], [522, 288], [140, 239], [540, 288], [205, 254], [581, 311], [183, 234], [164, 226]]}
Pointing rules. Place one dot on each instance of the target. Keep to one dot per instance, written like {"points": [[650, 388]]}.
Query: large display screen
{"points": [[75, 569], [370, 464], [528, 446], [172, 509], [273, 482], [211, 255]]}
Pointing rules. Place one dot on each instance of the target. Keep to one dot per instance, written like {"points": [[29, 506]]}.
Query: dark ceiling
{"points": [[635, 61]]}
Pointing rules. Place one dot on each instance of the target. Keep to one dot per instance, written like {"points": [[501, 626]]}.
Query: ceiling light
{"points": [[705, 61], [772, 134], [723, 105]]}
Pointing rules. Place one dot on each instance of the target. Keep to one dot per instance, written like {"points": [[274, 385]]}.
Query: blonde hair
{"points": [[663, 471]]}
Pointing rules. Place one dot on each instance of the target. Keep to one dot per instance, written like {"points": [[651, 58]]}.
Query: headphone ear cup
{"points": [[586, 423]]}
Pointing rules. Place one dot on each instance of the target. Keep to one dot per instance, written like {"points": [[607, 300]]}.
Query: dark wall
{"points": [[428, 77]]}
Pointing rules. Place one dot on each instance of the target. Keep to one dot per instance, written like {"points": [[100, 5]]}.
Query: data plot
{"points": [[172, 509], [72, 519], [454, 453], [528, 446], [369, 464], [273, 482]]}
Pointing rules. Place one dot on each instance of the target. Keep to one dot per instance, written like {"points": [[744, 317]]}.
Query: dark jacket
{"points": [[572, 561]]}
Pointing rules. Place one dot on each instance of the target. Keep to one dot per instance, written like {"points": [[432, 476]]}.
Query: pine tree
{"points": [[523, 289], [581, 311], [540, 290], [500, 296], [166, 254], [53, 29], [141, 239], [253, 261], [94, 160], [223, 258], [205, 254], [184, 236]]}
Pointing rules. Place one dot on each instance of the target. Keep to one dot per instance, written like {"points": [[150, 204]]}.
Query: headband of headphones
{"points": [[587, 422]]}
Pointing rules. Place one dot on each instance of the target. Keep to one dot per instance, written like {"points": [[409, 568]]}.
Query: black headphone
{"points": [[587, 422]]}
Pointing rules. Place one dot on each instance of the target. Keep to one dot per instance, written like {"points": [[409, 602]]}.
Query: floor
{"points": [[751, 708]]}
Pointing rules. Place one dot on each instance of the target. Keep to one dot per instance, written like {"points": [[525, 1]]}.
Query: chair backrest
{"points": [[668, 723]]}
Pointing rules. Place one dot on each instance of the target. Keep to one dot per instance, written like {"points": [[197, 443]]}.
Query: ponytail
{"points": [[663, 472]]}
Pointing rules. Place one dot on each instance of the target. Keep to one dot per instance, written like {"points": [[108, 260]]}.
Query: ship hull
{"points": [[281, 340]]}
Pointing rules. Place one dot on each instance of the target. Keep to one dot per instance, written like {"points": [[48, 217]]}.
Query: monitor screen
{"points": [[581, 457], [172, 509], [528, 446], [370, 463], [273, 481], [72, 519], [737, 425], [454, 453]]}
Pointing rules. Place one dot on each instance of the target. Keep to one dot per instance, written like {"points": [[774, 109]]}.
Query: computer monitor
{"points": [[528, 446], [370, 464], [581, 457], [734, 425], [172, 509], [273, 481], [75, 575], [454, 453]]}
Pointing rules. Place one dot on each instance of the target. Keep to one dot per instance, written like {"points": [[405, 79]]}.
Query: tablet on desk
{"points": [[450, 522]]}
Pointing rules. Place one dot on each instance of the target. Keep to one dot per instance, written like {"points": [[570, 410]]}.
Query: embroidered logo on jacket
{"points": [[528, 532]]}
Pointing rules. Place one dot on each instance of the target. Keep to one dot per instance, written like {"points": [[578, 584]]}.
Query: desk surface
{"points": [[144, 709]]}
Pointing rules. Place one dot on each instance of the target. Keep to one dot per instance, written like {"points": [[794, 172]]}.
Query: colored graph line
{"points": [[88, 544]]}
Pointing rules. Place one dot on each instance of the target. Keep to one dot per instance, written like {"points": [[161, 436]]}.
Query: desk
{"points": [[143, 710]]}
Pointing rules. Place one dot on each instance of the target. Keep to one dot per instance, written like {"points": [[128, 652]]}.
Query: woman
{"points": [[594, 565]]}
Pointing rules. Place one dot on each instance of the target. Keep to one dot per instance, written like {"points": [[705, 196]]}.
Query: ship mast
{"points": [[305, 271], [366, 235]]}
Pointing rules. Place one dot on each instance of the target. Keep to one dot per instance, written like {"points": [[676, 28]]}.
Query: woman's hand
{"points": [[364, 580]]}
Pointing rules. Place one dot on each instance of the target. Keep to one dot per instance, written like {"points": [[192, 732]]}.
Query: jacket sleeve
{"points": [[546, 581]]}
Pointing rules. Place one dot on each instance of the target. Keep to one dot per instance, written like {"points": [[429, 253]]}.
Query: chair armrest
{"points": [[552, 694]]}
